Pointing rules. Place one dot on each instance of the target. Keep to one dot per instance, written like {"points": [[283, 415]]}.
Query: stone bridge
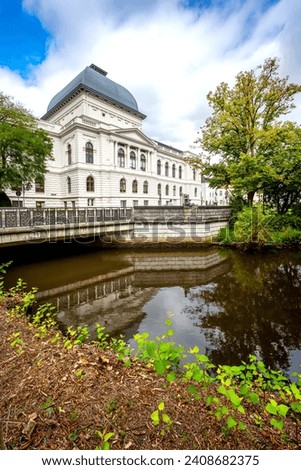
{"points": [[20, 226]]}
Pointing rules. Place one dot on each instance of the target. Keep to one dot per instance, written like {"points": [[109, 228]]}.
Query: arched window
{"points": [[135, 186], [180, 190], [167, 190], [90, 183], [194, 174], [180, 172], [159, 167], [174, 191], [159, 189], [121, 158], [143, 162], [68, 184], [145, 187], [69, 154], [166, 169], [133, 160], [122, 185], [89, 152], [173, 170]]}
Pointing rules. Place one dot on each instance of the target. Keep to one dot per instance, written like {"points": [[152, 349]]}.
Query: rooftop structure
{"points": [[94, 80]]}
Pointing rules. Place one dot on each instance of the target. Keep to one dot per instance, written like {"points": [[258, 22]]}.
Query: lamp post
{"points": [[25, 187]]}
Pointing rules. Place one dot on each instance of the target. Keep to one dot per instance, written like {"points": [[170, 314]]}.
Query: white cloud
{"points": [[169, 57]]}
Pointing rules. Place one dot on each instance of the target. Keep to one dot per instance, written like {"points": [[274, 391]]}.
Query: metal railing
{"points": [[25, 217]]}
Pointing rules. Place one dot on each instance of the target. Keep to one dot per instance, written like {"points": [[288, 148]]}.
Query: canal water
{"points": [[230, 304]]}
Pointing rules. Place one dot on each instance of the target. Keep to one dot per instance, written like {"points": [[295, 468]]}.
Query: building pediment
{"points": [[133, 136]]}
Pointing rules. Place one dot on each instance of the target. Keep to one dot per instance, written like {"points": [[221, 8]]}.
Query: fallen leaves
{"points": [[91, 389]]}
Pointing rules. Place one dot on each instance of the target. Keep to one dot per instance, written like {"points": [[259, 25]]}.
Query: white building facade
{"points": [[102, 158]]}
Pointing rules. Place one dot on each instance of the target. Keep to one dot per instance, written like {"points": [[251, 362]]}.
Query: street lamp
{"points": [[25, 187]]}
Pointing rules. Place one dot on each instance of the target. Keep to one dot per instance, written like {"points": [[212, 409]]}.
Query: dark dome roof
{"points": [[94, 79]]}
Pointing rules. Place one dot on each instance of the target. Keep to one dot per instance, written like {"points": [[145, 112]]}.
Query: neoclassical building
{"points": [[101, 157]]}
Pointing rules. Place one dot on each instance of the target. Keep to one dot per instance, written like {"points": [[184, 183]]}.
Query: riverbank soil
{"points": [[54, 398]]}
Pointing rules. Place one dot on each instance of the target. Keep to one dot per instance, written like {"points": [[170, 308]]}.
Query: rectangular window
{"points": [[17, 204], [123, 203], [90, 202], [39, 186], [145, 203], [135, 203], [40, 204]]}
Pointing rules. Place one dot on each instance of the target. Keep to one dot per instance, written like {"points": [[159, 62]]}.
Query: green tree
{"points": [[257, 151], [24, 148]]}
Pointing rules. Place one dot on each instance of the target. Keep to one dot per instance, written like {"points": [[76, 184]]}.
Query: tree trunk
{"points": [[250, 198]]}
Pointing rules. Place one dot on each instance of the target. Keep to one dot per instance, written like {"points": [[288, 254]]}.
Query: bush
{"points": [[253, 225]]}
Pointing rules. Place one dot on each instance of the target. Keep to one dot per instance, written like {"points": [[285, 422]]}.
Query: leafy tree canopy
{"points": [[24, 148], [257, 151]]}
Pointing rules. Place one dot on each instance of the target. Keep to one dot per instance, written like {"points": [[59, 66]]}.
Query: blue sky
{"points": [[168, 53], [22, 38]]}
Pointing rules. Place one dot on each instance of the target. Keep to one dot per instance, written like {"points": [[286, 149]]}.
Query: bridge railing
{"points": [[26, 217]]}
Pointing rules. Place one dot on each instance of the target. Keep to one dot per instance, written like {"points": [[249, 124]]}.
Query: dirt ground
{"points": [[54, 398]]}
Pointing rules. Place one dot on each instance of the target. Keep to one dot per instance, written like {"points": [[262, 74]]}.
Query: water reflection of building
{"points": [[115, 300]]}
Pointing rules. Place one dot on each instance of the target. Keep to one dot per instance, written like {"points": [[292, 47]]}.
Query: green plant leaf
{"points": [[234, 398], [171, 376], [254, 398], [202, 358], [161, 406], [283, 409], [194, 350], [277, 424], [151, 348], [231, 423], [272, 408], [108, 436], [166, 419], [155, 417], [160, 366]]}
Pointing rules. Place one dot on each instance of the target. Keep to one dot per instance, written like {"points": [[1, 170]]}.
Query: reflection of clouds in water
{"points": [[172, 303], [198, 306]]}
